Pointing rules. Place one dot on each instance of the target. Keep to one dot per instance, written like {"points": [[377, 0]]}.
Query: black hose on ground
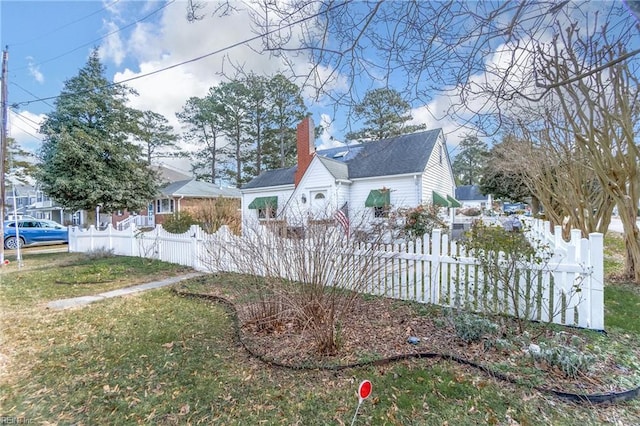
{"points": [[604, 398]]}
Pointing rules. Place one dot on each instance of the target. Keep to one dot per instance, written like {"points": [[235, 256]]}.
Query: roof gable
{"points": [[393, 156], [338, 169]]}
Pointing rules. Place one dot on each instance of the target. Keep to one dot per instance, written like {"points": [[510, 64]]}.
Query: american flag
{"points": [[342, 216]]}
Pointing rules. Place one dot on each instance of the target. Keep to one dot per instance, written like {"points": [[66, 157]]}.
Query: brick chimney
{"points": [[306, 147]]}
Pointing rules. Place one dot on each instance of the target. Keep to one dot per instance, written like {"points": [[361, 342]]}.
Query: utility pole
{"points": [[3, 145]]}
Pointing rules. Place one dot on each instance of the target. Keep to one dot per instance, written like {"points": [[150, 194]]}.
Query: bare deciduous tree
{"points": [[601, 112], [477, 52]]}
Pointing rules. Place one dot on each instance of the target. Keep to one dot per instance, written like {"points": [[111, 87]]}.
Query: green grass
{"points": [[622, 307], [156, 358], [55, 276], [621, 299]]}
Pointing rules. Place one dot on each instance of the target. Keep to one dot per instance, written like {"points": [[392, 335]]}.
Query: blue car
{"points": [[33, 231]]}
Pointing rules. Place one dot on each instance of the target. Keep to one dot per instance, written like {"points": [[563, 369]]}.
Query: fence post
{"points": [[133, 247], [596, 281], [110, 237], [91, 236], [195, 234], [435, 266]]}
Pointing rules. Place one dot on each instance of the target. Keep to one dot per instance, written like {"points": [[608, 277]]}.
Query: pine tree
{"points": [[87, 159], [385, 115]]}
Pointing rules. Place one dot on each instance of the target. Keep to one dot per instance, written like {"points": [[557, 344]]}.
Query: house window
{"points": [[319, 196], [381, 211], [266, 213], [380, 201], [165, 205]]}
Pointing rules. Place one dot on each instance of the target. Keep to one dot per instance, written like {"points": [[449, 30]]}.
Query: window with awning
{"points": [[378, 198], [453, 202], [439, 200], [264, 203]]}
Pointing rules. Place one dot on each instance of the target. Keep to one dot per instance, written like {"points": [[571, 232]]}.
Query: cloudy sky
{"points": [[49, 41], [152, 46]]}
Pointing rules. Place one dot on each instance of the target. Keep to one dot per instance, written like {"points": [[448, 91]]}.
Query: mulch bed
{"points": [[378, 328]]}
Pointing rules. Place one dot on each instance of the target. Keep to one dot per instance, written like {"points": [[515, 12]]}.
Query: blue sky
{"points": [[49, 41]]}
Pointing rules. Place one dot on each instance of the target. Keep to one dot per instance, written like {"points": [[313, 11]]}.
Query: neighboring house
{"points": [[368, 179], [180, 193], [31, 201], [188, 195], [146, 217], [470, 196]]}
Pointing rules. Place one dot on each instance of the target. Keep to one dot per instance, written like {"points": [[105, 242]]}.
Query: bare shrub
{"points": [[513, 267], [313, 274], [214, 213]]}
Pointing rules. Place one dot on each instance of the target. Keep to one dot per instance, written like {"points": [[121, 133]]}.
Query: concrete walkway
{"points": [[85, 300]]}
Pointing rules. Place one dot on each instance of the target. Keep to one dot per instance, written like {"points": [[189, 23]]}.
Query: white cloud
{"points": [[24, 127], [34, 70], [174, 40], [326, 137], [112, 48]]}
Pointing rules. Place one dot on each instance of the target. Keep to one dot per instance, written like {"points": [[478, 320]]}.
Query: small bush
{"points": [[99, 253], [471, 211], [472, 328], [179, 222], [418, 221], [571, 361], [267, 315]]}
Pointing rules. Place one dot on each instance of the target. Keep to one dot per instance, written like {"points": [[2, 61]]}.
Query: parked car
{"points": [[34, 231]]}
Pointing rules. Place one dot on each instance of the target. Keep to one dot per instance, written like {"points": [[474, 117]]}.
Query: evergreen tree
{"points": [[156, 136], [234, 100], [286, 111], [86, 159], [469, 163], [385, 115], [203, 119], [17, 162], [257, 119]]}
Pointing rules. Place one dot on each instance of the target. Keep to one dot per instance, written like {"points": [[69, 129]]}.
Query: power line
{"points": [[27, 132], [27, 120], [65, 25], [98, 39], [198, 58], [28, 92]]}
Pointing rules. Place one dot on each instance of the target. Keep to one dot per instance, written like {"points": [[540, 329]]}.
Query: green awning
{"points": [[453, 201], [378, 198], [264, 202], [439, 200]]}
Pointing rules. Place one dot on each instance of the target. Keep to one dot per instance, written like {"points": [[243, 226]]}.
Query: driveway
{"points": [[56, 248], [616, 224]]}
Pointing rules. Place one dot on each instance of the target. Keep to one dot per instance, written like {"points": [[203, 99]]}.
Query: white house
{"points": [[470, 196], [365, 179]]}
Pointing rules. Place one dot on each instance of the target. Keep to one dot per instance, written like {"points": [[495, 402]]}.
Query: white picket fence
{"points": [[566, 289]]}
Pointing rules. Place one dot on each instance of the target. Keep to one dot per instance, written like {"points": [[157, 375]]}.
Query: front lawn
{"points": [[156, 358]]}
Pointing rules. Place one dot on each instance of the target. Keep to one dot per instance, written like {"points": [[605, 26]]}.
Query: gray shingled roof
{"points": [[198, 189], [275, 177], [469, 193], [393, 156]]}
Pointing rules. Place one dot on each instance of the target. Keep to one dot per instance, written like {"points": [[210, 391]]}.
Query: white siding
{"points": [[438, 175], [404, 190], [251, 215], [316, 180]]}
